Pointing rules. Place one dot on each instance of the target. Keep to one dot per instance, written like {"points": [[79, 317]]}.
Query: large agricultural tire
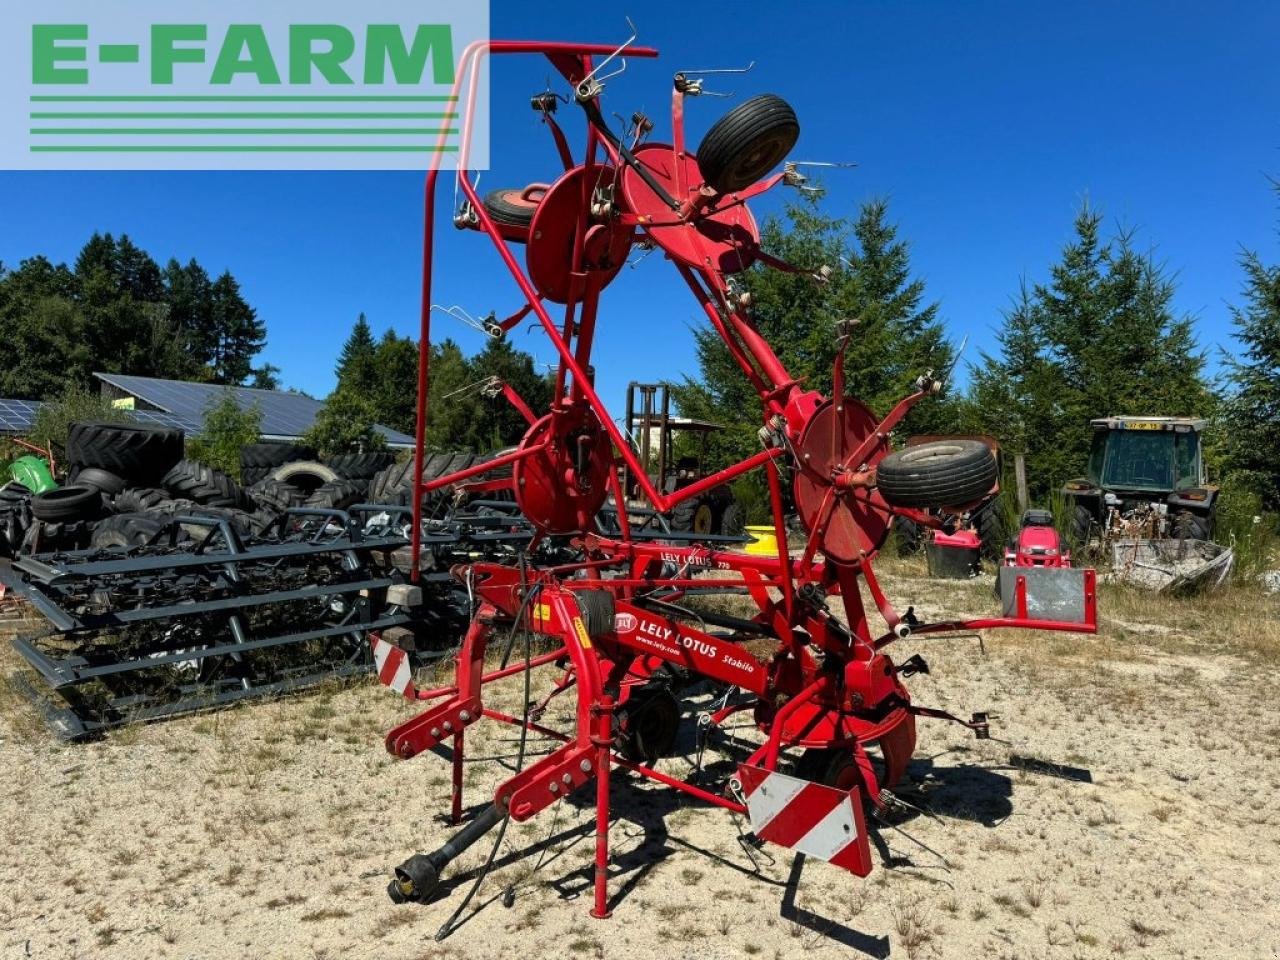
{"points": [[514, 206], [359, 466], [747, 142], [127, 530], [104, 481], [733, 520], [67, 505], [306, 475], [274, 496], [241, 521], [139, 454], [946, 473], [1193, 526], [694, 516], [138, 499], [989, 522], [203, 484], [908, 536], [269, 454], [1083, 525], [337, 495]]}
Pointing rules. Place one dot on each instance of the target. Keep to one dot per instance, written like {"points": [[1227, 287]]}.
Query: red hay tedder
{"points": [[829, 689]]}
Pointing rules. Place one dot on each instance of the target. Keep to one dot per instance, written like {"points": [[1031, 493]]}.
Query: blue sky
{"points": [[985, 124]]}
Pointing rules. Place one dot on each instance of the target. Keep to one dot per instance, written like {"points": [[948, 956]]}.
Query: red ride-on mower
{"points": [[811, 668], [1037, 543], [1036, 579]]}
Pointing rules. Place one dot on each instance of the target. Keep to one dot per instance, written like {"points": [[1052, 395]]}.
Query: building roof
{"points": [[285, 416]]}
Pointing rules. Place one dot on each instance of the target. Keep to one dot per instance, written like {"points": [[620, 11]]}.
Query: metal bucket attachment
{"points": [[1058, 594]]}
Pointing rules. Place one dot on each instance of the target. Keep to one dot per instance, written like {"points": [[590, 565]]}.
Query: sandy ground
{"points": [[268, 830]]}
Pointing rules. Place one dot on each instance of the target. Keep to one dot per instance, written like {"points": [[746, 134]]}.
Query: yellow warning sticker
{"points": [[581, 630], [542, 614]]}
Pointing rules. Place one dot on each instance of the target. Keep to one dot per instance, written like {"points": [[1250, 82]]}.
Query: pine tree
{"points": [[898, 336], [357, 363], [1099, 338], [240, 334], [1252, 413]]}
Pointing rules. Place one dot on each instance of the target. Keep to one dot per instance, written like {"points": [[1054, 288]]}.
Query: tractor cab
{"points": [[1144, 472]]}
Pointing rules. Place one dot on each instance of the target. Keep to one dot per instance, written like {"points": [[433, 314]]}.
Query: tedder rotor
{"points": [[827, 689]]}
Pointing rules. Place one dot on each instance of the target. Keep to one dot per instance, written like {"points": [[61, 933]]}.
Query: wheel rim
{"points": [[702, 519]]}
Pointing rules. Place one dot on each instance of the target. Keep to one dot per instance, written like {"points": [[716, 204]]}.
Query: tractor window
{"points": [[1187, 454], [1097, 455], [1139, 460]]}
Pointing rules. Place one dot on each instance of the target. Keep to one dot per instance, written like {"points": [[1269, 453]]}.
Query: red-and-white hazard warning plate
{"points": [[392, 666], [816, 820]]}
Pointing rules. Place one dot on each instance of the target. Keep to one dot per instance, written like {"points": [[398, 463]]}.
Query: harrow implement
{"points": [[830, 705]]}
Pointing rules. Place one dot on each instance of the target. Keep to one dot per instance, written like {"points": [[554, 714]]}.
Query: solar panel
{"points": [[283, 414], [17, 416]]}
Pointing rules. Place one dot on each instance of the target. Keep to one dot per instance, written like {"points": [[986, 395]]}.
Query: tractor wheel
{"points": [[733, 519], [747, 142], [909, 536], [1082, 527], [102, 480], [694, 516], [337, 495], [514, 206], [989, 521], [139, 454], [306, 475], [946, 473], [67, 504], [138, 499], [257, 460], [206, 485], [274, 496], [1193, 526], [127, 530], [650, 720], [360, 466]]}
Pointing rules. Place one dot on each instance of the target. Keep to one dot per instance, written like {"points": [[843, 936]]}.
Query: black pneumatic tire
{"points": [[127, 530], [1192, 526], [909, 536], [507, 206], [747, 142], [733, 520], [138, 454], [101, 480], [275, 496], [67, 504], [306, 475], [191, 480], [138, 499], [337, 495], [989, 521], [359, 466], [946, 473], [257, 460]]}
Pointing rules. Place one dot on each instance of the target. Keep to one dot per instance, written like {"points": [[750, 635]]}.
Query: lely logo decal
{"points": [[624, 623]]}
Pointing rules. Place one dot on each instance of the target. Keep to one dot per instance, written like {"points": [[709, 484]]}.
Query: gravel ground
{"points": [[1130, 809]]}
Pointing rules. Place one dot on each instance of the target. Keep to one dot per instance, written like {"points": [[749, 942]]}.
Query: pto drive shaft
{"points": [[419, 876]]}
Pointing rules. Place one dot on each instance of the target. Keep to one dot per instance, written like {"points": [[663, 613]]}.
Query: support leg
{"points": [[456, 812], [603, 740]]}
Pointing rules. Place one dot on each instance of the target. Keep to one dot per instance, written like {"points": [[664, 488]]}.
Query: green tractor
{"points": [[1146, 478]]}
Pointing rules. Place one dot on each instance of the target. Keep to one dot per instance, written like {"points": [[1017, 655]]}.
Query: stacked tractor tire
{"points": [[125, 481]]}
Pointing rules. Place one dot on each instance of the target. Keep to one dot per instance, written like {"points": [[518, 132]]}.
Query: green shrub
{"points": [[75, 404], [227, 427]]}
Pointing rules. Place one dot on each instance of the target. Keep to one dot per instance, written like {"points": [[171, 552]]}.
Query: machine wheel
{"points": [[138, 499], [733, 519], [67, 503], [275, 496], [836, 767], [1082, 525], [1193, 526], [946, 473], [360, 466], [257, 460], [192, 480], [139, 454], [306, 475], [694, 516], [102, 480], [337, 495], [514, 206], [909, 536], [650, 720], [989, 521], [747, 142], [126, 530]]}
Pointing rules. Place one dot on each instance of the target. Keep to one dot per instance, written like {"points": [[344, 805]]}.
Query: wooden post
{"points": [[1020, 477]]}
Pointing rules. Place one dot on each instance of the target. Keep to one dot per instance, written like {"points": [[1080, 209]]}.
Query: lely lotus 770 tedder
{"points": [[829, 691]]}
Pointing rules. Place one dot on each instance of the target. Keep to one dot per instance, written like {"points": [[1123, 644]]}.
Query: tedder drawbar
{"points": [[828, 690]]}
